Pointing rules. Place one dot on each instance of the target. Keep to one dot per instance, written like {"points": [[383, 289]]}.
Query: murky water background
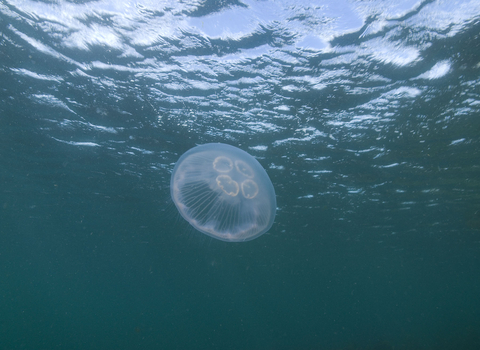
{"points": [[364, 114]]}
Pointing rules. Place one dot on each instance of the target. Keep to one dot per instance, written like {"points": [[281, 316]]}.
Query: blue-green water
{"points": [[366, 116]]}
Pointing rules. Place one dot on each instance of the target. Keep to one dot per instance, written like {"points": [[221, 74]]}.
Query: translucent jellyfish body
{"points": [[223, 192]]}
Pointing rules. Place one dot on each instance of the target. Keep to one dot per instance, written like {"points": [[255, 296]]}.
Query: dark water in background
{"points": [[366, 115]]}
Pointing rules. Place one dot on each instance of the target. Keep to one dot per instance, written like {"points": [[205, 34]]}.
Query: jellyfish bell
{"points": [[223, 192]]}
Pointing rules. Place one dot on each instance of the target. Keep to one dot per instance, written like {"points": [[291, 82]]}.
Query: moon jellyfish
{"points": [[223, 192]]}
